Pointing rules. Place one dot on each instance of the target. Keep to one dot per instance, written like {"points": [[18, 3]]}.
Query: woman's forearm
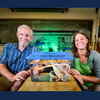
{"points": [[90, 79]]}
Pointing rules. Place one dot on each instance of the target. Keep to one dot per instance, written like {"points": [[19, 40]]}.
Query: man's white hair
{"points": [[26, 26]]}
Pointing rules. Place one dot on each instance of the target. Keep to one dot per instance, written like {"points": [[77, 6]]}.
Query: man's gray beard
{"points": [[23, 45]]}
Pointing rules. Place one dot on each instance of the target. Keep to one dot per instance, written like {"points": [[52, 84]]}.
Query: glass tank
{"points": [[49, 66]]}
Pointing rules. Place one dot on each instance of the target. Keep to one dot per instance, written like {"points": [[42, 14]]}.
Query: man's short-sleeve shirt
{"points": [[14, 59]]}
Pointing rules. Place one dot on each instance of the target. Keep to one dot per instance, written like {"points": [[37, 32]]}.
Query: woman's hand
{"points": [[74, 71], [79, 78], [76, 74]]}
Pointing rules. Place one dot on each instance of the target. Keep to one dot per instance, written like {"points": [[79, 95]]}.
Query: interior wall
{"points": [[72, 14]]}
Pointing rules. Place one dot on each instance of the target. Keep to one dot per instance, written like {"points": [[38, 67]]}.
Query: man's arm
{"points": [[11, 77], [5, 72]]}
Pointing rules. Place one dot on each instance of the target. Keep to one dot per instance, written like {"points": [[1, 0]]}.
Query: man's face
{"points": [[24, 36]]}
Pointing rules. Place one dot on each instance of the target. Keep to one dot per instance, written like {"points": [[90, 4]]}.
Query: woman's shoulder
{"points": [[94, 53]]}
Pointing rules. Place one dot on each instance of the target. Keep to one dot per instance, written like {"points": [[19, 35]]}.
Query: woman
{"points": [[86, 63]]}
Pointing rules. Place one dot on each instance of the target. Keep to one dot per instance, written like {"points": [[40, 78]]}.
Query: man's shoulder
{"points": [[34, 48], [10, 44]]}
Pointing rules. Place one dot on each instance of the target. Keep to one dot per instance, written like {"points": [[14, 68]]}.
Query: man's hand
{"points": [[19, 76], [38, 69]]}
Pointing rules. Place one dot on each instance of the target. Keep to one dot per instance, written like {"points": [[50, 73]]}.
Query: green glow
{"points": [[52, 41]]}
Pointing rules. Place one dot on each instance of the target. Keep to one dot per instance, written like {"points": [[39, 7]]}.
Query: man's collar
{"points": [[27, 47]]}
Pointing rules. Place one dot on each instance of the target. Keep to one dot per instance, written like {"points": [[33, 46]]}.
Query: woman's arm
{"points": [[95, 61], [90, 79], [80, 77]]}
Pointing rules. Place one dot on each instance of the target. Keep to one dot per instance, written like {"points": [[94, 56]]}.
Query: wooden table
{"points": [[71, 85]]}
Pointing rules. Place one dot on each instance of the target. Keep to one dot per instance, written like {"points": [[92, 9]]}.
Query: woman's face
{"points": [[81, 41]]}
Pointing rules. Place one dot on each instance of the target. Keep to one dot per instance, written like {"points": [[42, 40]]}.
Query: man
{"points": [[14, 67]]}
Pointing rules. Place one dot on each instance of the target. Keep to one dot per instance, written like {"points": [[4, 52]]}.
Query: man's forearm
{"points": [[5, 72]]}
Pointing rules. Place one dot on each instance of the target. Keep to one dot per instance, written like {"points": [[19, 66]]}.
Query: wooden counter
{"points": [[71, 85]]}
